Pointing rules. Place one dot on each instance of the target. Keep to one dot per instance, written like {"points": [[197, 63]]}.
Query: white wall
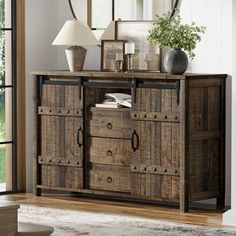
{"points": [[229, 217], [40, 18], [214, 52], [233, 176]]}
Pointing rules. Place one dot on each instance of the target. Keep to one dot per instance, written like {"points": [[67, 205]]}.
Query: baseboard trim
{"points": [[229, 217]]}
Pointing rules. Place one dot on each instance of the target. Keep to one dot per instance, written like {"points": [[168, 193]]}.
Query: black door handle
{"points": [[135, 141], [80, 137]]}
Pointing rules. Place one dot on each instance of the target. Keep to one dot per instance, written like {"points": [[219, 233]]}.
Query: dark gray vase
{"points": [[176, 62]]}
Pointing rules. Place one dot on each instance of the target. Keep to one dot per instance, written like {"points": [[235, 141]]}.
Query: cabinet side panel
{"points": [[206, 135]]}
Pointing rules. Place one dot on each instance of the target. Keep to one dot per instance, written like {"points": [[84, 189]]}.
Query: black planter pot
{"points": [[176, 62]]}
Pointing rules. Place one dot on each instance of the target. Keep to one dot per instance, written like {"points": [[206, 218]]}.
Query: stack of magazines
{"points": [[115, 100]]}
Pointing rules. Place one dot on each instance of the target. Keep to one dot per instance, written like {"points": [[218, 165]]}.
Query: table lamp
{"points": [[109, 33], [75, 34]]}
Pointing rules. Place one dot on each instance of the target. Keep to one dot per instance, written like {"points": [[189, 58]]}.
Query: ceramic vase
{"points": [[176, 62]]}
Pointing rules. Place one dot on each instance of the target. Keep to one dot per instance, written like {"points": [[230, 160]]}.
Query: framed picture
{"points": [[112, 52], [147, 57]]}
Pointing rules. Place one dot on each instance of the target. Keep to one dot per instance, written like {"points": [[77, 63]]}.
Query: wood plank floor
{"points": [[198, 216]]}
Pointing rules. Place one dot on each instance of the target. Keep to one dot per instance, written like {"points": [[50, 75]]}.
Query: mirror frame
{"points": [[174, 4]]}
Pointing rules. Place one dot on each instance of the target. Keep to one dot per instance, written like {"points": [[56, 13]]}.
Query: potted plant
{"points": [[181, 38]]}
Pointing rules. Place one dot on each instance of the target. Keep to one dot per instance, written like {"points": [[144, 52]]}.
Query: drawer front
{"points": [[108, 177], [113, 123], [109, 151]]}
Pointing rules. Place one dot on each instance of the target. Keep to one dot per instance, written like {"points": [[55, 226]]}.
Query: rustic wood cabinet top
{"points": [[124, 75]]}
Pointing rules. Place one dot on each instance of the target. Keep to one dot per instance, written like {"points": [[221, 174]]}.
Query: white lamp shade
{"points": [[109, 32], [74, 33]]}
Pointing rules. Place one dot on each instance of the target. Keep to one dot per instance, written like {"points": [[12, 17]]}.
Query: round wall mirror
{"points": [[133, 10]]}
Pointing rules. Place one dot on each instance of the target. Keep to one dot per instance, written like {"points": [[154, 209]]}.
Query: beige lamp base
{"points": [[75, 57]]}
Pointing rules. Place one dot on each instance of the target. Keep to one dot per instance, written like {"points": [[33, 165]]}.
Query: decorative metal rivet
{"points": [[109, 153], [109, 125], [109, 180]]}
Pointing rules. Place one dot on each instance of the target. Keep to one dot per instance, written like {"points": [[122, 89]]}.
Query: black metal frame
{"points": [[133, 85], [176, 7], [14, 98], [39, 94], [72, 10]]}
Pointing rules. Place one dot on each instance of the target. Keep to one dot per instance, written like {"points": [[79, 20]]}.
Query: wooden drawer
{"points": [[114, 123], [109, 151], [109, 177]]}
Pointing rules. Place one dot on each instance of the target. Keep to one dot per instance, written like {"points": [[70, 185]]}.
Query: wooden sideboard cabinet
{"points": [[168, 147]]}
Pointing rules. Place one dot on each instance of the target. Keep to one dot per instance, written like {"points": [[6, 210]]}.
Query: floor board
{"points": [[199, 215]]}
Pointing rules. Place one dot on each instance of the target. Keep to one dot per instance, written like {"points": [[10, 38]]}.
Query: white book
{"points": [[104, 105], [120, 98]]}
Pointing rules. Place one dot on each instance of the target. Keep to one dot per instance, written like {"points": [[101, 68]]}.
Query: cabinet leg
{"points": [[220, 202], [184, 206], [38, 192]]}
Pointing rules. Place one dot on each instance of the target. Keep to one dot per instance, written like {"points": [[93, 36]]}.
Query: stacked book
{"points": [[115, 100]]}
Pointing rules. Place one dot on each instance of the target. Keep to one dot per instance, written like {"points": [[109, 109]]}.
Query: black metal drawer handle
{"points": [[80, 137], [109, 125], [109, 153], [109, 180], [135, 141]]}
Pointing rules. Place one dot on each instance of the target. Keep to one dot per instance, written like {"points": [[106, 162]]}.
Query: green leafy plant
{"points": [[170, 32]]}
